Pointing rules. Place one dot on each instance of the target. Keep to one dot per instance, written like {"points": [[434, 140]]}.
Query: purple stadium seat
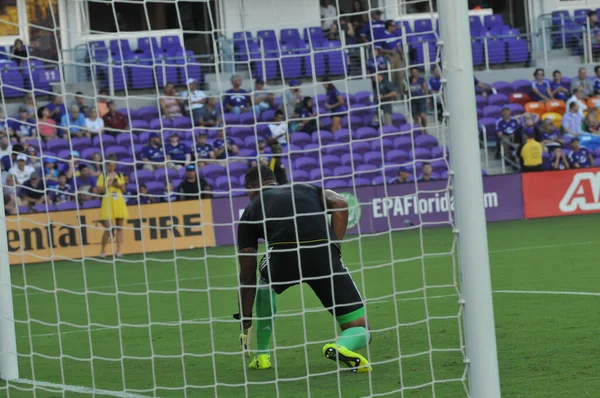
{"points": [[397, 156], [88, 152], [298, 175], [369, 171], [361, 182], [155, 187], [57, 144], [503, 87], [477, 52], [439, 166], [237, 169], [126, 165], [213, 171], [360, 147], [523, 86], [43, 208], [439, 152], [183, 122], [518, 50], [323, 137], [107, 140], [126, 139], [64, 206], [335, 184], [248, 118], [161, 175], [139, 125], [79, 144], [330, 161], [306, 163], [496, 50], [493, 20], [490, 127], [420, 154], [149, 45], [91, 204], [290, 35], [354, 159], [516, 109], [366, 132], [342, 135], [141, 176], [481, 100], [498, 99], [398, 119], [119, 151], [492, 111], [423, 25], [320, 173], [120, 47], [372, 157], [403, 142], [231, 119], [147, 113], [299, 138], [267, 115], [313, 34], [426, 141], [12, 80], [384, 144], [363, 97], [224, 183], [343, 171]]}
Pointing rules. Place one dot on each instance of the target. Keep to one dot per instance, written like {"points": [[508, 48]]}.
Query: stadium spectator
{"points": [[170, 103], [57, 108], [236, 100], [84, 183], [506, 129], [419, 103], [96, 164], [9, 187], [377, 62], [194, 101], [102, 103], [79, 102], [558, 90], [335, 104], [306, 117], [263, 100], [583, 83], [579, 157], [530, 152], [402, 177], [261, 155], [33, 191], [169, 195], [590, 124], [21, 171], [10, 207], [51, 172], [386, 94], [33, 158], [390, 45], [177, 152], [224, 147], [114, 122], [5, 145], [19, 52], [46, 125], [328, 15], [11, 159], [193, 187], [63, 192], [23, 128], [597, 80], [4, 125], [484, 87], [350, 36], [578, 98], [114, 211], [204, 150], [372, 28], [210, 116], [435, 81], [153, 154], [334, 32], [359, 16], [73, 165], [144, 197], [426, 173], [29, 102], [93, 123], [276, 165], [572, 120], [278, 130], [549, 135], [558, 159], [292, 96], [74, 123], [541, 86]]}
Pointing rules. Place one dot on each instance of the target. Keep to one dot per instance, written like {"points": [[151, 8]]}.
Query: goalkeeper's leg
{"points": [[266, 307]]}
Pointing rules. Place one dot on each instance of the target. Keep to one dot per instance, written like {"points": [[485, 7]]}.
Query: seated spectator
{"points": [[30, 104], [572, 120], [541, 86], [63, 191], [177, 152], [377, 62], [4, 124], [550, 136], [419, 103], [84, 184], [224, 147], [169, 195], [506, 130], [114, 122], [335, 104], [263, 100], [23, 128], [402, 177], [194, 101], [210, 116], [57, 108], [306, 117], [292, 97], [10, 207], [277, 165], [34, 191], [10, 159], [204, 150], [96, 164], [170, 103], [46, 125], [236, 100], [9, 187], [530, 152], [334, 32], [579, 157], [93, 123], [597, 80], [144, 197], [590, 124], [557, 89], [577, 97], [74, 123], [486, 88], [278, 130], [193, 187], [102, 103], [153, 154], [261, 155], [359, 15], [51, 172], [426, 171], [19, 52], [21, 171], [81, 103], [33, 158], [5, 146], [583, 83], [386, 94], [73, 165], [558, 159]]}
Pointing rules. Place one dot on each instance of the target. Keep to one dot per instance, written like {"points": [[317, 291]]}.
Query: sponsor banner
{"points": [[395, 207], [561, 193], [75, 234]]}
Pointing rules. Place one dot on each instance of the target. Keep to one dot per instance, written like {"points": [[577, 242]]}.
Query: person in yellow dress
{"points": [[114, 211]]}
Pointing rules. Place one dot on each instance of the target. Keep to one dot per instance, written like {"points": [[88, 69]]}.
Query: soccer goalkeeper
{"points": [[301, 248]]}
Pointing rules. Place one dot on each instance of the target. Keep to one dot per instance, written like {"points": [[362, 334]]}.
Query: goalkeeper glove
{"points": [[246, 335]]}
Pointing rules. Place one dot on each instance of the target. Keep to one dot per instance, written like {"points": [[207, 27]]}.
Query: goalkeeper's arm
{"points": [[336, 205], [247, 282]]}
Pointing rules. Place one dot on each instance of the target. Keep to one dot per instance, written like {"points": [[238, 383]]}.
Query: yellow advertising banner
{"points": [[64, 235]]}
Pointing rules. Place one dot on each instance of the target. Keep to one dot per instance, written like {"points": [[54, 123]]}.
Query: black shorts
{"points": [[419, 106], [320, 267]]}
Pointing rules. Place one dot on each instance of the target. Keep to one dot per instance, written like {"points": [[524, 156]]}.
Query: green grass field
{"points": [[547, 343]]}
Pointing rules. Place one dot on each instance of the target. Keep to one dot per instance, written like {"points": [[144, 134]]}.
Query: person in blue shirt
{"points": [[597, 80], [559, 160], [224, 147], [506, 127], [426, 173], [549, 135], [85, 183], [204, 150], [177, 152], [63, 191], [51, 173], [305, 117], [153, 154], [376, 63], [419, 103], [402, 177], [541, 87], [261, 155], [57, 108], [169, 195], [23, 128], [143, 197], [435, 87], [74, 123], [236, 99], [484, 87], [390, 45], [373, 28], [335, 104], [580, 158], [557, 88]]}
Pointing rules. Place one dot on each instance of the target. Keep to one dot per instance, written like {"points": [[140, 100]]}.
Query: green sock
{"points": [[353, 338], [266, 307]]}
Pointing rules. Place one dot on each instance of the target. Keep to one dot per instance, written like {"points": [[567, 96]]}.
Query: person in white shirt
{"points": [[577, 97], [5, 146], [278, 131], [194, 100], [93, 123], [22, 171], [328, 15]]}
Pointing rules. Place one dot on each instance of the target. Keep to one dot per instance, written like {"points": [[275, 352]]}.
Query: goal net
{"points": [[159, 109]]}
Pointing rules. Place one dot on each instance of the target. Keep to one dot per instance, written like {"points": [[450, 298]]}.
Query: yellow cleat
{"points": [[356, 362], [261, 361]]}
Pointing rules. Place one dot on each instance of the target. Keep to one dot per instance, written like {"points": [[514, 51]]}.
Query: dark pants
{"points": [[529, 169]]}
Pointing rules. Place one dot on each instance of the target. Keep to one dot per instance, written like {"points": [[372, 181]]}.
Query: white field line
{"points": [[597, 294], [76, 389]]}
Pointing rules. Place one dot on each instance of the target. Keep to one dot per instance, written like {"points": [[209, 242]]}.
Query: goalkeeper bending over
{"points": [[300, 249]]}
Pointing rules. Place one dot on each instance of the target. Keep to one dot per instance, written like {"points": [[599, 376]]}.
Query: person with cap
{"points": [[572, 120], [177, 153], [204, 150], [84, 183], [579, 157], [373, 28], [334, 103], [57, 108], [386, 93], [63, 191], [194, 101], [93, 123], [33, 191], [210, 116], [51, 172], [74, 123], [153, 154], [236, 100], [224, 146], [549, 135], [21, 171], [506, 127], [263, 100], [113, 211], [170, 103], [23, 128], [193, 187], [46, 125], [530, 152], [402, 177], [426, 173], [114, 122], [292, 96]]}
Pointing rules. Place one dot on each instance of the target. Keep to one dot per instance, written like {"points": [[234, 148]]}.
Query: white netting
{"points": [[157, 321]]}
